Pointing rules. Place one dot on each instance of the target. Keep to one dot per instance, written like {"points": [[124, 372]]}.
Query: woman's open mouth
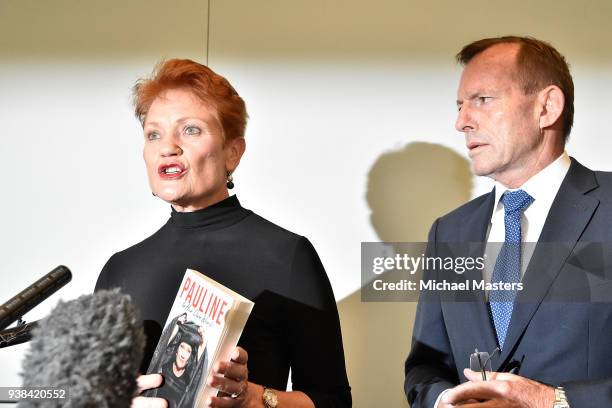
{"points": [[171, 171]]}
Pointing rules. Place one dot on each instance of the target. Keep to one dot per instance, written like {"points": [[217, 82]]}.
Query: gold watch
{"points": [[270, 399], [560, 399]]}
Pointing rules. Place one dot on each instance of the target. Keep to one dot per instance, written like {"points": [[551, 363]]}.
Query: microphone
{"points": [[33, 295], [92, 347]]}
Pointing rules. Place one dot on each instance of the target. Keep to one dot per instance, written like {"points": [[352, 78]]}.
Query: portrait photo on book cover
{"points": [[182, 362]]}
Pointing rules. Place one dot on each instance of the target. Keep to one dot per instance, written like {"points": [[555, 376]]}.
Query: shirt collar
{"points": [[543, 185]]}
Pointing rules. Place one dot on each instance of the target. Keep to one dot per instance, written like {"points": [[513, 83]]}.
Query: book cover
{"points": [[203, 327]]}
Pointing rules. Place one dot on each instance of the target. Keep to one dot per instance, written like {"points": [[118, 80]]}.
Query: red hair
{"points": [[212, 89]]}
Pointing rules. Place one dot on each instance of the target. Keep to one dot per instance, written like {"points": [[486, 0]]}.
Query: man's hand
{"points": [[501, 390], [232, 378], [147, 382]]}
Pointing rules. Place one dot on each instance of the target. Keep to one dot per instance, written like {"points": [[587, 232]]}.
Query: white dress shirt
{"points": [[543, 187]]}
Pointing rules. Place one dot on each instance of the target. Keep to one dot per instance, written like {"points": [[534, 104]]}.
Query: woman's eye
{"points": [[152, 136], [192, 130]]}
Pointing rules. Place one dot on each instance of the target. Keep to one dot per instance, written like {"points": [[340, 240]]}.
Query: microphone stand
{"points": [[16, 335]]}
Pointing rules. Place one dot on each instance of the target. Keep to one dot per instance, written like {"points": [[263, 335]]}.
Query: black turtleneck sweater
{"points": [[294, 323]]}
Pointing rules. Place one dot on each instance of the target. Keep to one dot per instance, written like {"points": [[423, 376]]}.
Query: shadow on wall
{"points": [[407, 190]]}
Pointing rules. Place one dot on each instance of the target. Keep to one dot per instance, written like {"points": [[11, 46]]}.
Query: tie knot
{"points": [[516, 201]]}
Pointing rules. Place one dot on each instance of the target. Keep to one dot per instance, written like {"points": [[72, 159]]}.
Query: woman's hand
{"points": [[147, 382], [232, 378]]}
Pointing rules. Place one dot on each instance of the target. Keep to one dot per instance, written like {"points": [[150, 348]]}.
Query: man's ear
{"points": [[551, 101], [234, 150]]}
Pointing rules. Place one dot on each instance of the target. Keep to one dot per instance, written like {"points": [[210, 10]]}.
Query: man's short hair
{"points": [[539, 65]]}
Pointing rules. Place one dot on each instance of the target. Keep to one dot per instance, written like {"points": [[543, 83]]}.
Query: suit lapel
{"points": [[479, 333], [567, 219]]}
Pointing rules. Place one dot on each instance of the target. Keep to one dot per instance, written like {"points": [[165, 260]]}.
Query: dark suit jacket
{"points": [[561, 327]]}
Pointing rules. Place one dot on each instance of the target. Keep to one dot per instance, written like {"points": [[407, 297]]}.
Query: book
{"points": [[203, 327]]}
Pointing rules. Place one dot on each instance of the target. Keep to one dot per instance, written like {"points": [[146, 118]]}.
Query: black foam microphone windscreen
{"points": [[91, 346]]}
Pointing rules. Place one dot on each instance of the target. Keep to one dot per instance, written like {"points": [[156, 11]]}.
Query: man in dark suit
{"points": [[515, 101]]}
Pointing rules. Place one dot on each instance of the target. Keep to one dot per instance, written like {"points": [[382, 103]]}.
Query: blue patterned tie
{"points": [[508, 265]]}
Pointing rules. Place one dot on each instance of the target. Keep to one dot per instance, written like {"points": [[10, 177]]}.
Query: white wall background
{"points": [[329, 86]]}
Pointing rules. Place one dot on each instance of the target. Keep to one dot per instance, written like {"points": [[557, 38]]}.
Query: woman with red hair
{"points": [[194, 123]]}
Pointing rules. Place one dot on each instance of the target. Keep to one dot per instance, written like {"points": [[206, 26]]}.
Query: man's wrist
{"points": [[440, 397]]}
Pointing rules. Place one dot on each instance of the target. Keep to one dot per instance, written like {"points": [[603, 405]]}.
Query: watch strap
{"points": [[269, 398], [560, 399]]}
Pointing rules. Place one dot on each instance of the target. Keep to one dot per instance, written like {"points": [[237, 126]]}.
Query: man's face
{"points": [[182, 355], [500, 122]]}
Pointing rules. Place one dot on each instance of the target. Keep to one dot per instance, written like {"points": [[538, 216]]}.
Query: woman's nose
{"points": [[170, 148]]}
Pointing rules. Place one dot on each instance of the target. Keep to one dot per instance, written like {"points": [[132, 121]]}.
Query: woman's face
{"points": [[182, 355], [185, 154]]}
